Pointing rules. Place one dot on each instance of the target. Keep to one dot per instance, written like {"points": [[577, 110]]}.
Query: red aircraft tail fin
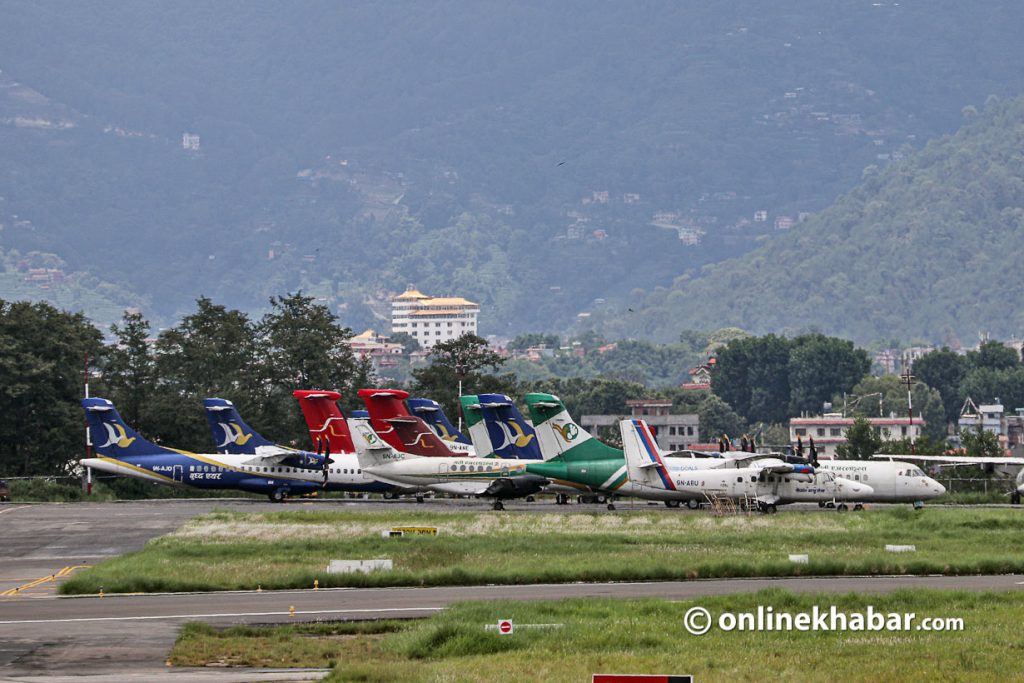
{"points": [[327, 426], [401, 430]]}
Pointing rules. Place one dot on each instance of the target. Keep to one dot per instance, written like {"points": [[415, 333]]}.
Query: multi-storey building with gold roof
{"points": [[432, 319]]}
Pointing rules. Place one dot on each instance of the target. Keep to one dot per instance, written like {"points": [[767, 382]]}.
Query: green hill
{"points": [[928, 248], [541, 158]]}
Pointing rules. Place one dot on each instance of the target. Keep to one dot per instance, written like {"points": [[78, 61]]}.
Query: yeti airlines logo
{"points": [[568, 431], [233, 434], [116, 436]]}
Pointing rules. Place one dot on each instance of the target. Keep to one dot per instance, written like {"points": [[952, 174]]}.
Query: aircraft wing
{"points": [[788, 468], [273, 454], [514, 487], [950, 460]]}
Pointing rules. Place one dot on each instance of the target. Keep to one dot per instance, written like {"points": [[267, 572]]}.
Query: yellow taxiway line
{"points": [[41, 580]]}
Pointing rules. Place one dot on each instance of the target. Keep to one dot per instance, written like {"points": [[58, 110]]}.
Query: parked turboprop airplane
{"points": [[891, 482], [461, 475], [430, 412], [1008, 466], [342, 471], [574, 458], [403, 431], [768, 481], [332, 433], [122, 450]]}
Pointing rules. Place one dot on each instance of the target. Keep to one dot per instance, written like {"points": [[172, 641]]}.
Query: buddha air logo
{"points": [[445, 434], [233, 434], [116, 436], [520, 438], [568, 431]]}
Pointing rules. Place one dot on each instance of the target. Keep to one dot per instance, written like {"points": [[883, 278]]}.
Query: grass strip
{"points": [[291, 549], [640, 636]]}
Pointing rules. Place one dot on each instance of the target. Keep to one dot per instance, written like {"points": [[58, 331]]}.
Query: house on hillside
{"points": [[700, 376]]}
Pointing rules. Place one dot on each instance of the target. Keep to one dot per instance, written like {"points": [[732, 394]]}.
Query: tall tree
{"points": [[862, 441], [42, 356], [463, 358], [994, 356], [944, 370], [301, 345], [980, 443], [821, 366], [752, 376], [130, 371], [212, 352]]}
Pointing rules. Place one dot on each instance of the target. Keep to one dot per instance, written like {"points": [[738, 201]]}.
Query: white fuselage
{"points": [[688, 483], [217, 470], [891, 481], [458, 475]]}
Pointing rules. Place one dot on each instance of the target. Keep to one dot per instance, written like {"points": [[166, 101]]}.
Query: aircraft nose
{"points": [[936, 486]]}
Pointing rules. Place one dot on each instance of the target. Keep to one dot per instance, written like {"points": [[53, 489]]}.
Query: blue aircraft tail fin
{"points": [[230, 433], [111, 437], [511, 435], [430, 412]]}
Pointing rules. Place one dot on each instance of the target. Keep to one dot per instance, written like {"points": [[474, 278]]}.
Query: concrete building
{"points": [[377, 348], [673, 432], [430, 320], [829, 430]]}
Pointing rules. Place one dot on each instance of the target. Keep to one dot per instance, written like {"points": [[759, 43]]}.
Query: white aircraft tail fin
{"points": [[371, 451], [643, 457]]}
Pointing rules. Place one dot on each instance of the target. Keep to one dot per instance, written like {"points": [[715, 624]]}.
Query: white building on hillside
{"points": [[430, 320]]}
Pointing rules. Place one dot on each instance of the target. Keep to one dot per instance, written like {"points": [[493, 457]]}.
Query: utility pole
{"points": [[88, 445], [460, 372], [908, 380]]}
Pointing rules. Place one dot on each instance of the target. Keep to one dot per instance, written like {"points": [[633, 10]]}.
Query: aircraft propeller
{"points": [[328, 461]]}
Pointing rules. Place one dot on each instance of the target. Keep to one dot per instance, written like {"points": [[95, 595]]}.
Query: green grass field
{"points": [[644, 636], [291, 549]]}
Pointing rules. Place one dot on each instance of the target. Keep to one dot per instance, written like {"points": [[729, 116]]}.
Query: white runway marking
{"points": [[20, 507], [277, 613]]}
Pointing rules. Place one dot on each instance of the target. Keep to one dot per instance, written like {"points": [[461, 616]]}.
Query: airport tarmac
{"points": [[48, 638]]}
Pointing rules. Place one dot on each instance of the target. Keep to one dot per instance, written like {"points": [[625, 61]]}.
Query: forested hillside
{"points": [[543, 159], [927, 248]]}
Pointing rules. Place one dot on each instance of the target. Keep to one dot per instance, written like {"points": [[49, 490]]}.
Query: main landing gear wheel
{"points": [[671, 503], [419, 499], [1015, 498], [561, 499], [858, 507], [498, 505], [276, 496], [530, 499], [842, 507], [693, 504], [388, 495], [821, 503], [611, 504]]}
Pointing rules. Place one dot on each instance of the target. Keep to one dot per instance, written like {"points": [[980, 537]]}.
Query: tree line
{"points": [[158, 380]]}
